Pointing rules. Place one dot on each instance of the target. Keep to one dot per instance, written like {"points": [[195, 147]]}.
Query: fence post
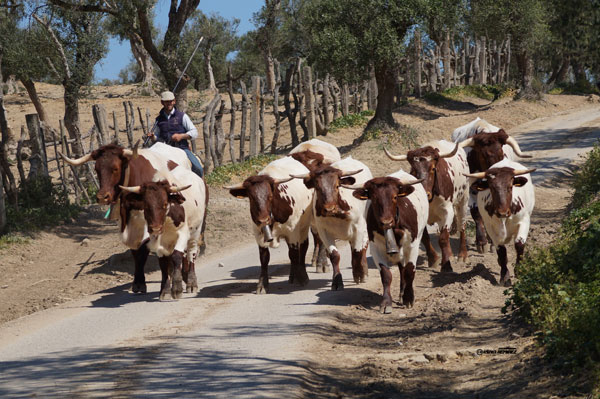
{"points": [[35, 139], [99, 114], [310, 105], [116, 125], [254, 115]]}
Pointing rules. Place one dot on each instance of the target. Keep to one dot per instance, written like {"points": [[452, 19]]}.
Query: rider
{"points": [[175, 128]]}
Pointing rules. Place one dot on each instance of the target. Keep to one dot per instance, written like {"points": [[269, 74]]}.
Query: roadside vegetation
{"points": [[240, 171], [558, 290]]}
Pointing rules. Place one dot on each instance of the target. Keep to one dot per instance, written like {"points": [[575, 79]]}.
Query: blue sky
{"points": [[119, 54]]}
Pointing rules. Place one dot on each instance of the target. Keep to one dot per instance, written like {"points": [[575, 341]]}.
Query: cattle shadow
{"points": [[441, 279], [121, 295], [251, 273], [121, 262], [537, 140], [350, 295], [89, 223]]}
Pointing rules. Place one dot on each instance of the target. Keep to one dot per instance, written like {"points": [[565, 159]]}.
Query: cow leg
{"points": [[386, 280], [337, 283], [446, 249], [189, 275], [140, 256], [480, 234], [297, 254], [519, 248], [319, 258], [263, 281], [176, 279], [503, 261], [165, 282], [432, 257], [360, 268], [462, 253], [406, 289]]}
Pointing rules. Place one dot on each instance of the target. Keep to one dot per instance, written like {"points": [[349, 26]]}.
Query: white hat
{"points": [[167, 96]]}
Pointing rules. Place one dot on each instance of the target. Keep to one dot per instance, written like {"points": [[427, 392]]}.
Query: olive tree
{"points": [[349, 37]]}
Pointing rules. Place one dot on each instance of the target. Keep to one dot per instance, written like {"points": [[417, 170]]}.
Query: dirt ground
{"points": [[431, 348]]}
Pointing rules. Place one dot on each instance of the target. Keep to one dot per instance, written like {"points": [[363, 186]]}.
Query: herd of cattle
{"points": [[161, 205]]}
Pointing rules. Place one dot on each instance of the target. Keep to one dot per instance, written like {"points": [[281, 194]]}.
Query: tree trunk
{"points": [[209, 71], [418, 64], [244, 122], [525, 66], [310, 105], [446, 60], [254, 115], [11, 190], [291, 114], [232, 120], [386, 86], [269, 70], [143, 59], [35, 99]]}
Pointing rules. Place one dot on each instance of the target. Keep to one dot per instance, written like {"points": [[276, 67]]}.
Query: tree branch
{"points": [[84, 7], [59, 46]]}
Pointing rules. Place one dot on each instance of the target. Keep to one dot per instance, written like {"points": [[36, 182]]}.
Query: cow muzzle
{"points": [[104, 198], [266, 232], [390, 242]]}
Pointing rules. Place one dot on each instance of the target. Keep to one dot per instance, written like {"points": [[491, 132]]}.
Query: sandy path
{"points": [[232, 343]]}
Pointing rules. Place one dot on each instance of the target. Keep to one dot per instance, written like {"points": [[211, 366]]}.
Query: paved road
{"points": [[225, 342]]}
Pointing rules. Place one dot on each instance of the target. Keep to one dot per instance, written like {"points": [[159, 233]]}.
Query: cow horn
{"points": [[519, 172], [478, 175], [234, 187], [354, 172], [132, 189], [515, 146], [349, 187], [451, 153], [466, 143], [304, 176], [78, 161], [394, 157], [133, 153], [284, 180], [175, 189], [410, 182]]}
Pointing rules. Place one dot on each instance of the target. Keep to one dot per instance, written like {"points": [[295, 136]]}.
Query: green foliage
{"points": [[41, 204], [223, 174], [486, 92], [350, 120], [558, 291], [9, 240], [581, 86]]}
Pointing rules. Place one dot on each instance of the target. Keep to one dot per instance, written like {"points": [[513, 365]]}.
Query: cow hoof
{"points": [[481, 248], [191, 289], [260, 290], [338, 283], [433, 262], [138, 288], [385, 309], [447, 268], [506, 281], [322, 268], [164, 295]]}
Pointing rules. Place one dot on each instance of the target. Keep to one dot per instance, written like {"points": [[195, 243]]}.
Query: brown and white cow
{"points": [[116, 166], [338, 215], [396, 221], [506, 197], [442, 166], [315, 154], [176, 221], [483, 150], [280, 208]]}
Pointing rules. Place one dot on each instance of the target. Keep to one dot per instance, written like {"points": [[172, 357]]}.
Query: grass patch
{"points": [[558, 290], [350, 120], [224, 174], [405, 135], [11, 239]]}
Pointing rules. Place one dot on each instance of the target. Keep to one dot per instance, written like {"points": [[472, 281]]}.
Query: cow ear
{"points": [[361, 194], [176, 198], [405, 190], [239, 192], [519, 181], [480, 185], [308, 182], [348, 180]]}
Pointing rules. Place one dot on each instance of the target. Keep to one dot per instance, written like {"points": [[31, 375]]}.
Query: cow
{"points": [[506, 197], [338, 215], [116, 166], [484, 145], [314, 154], [396, 221], [280, 208], [441, 166], [176, 221]]}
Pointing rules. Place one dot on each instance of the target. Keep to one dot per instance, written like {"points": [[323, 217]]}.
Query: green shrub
{"points": [[223, 174], [558, 290], [41, 204], [350, 120]]}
